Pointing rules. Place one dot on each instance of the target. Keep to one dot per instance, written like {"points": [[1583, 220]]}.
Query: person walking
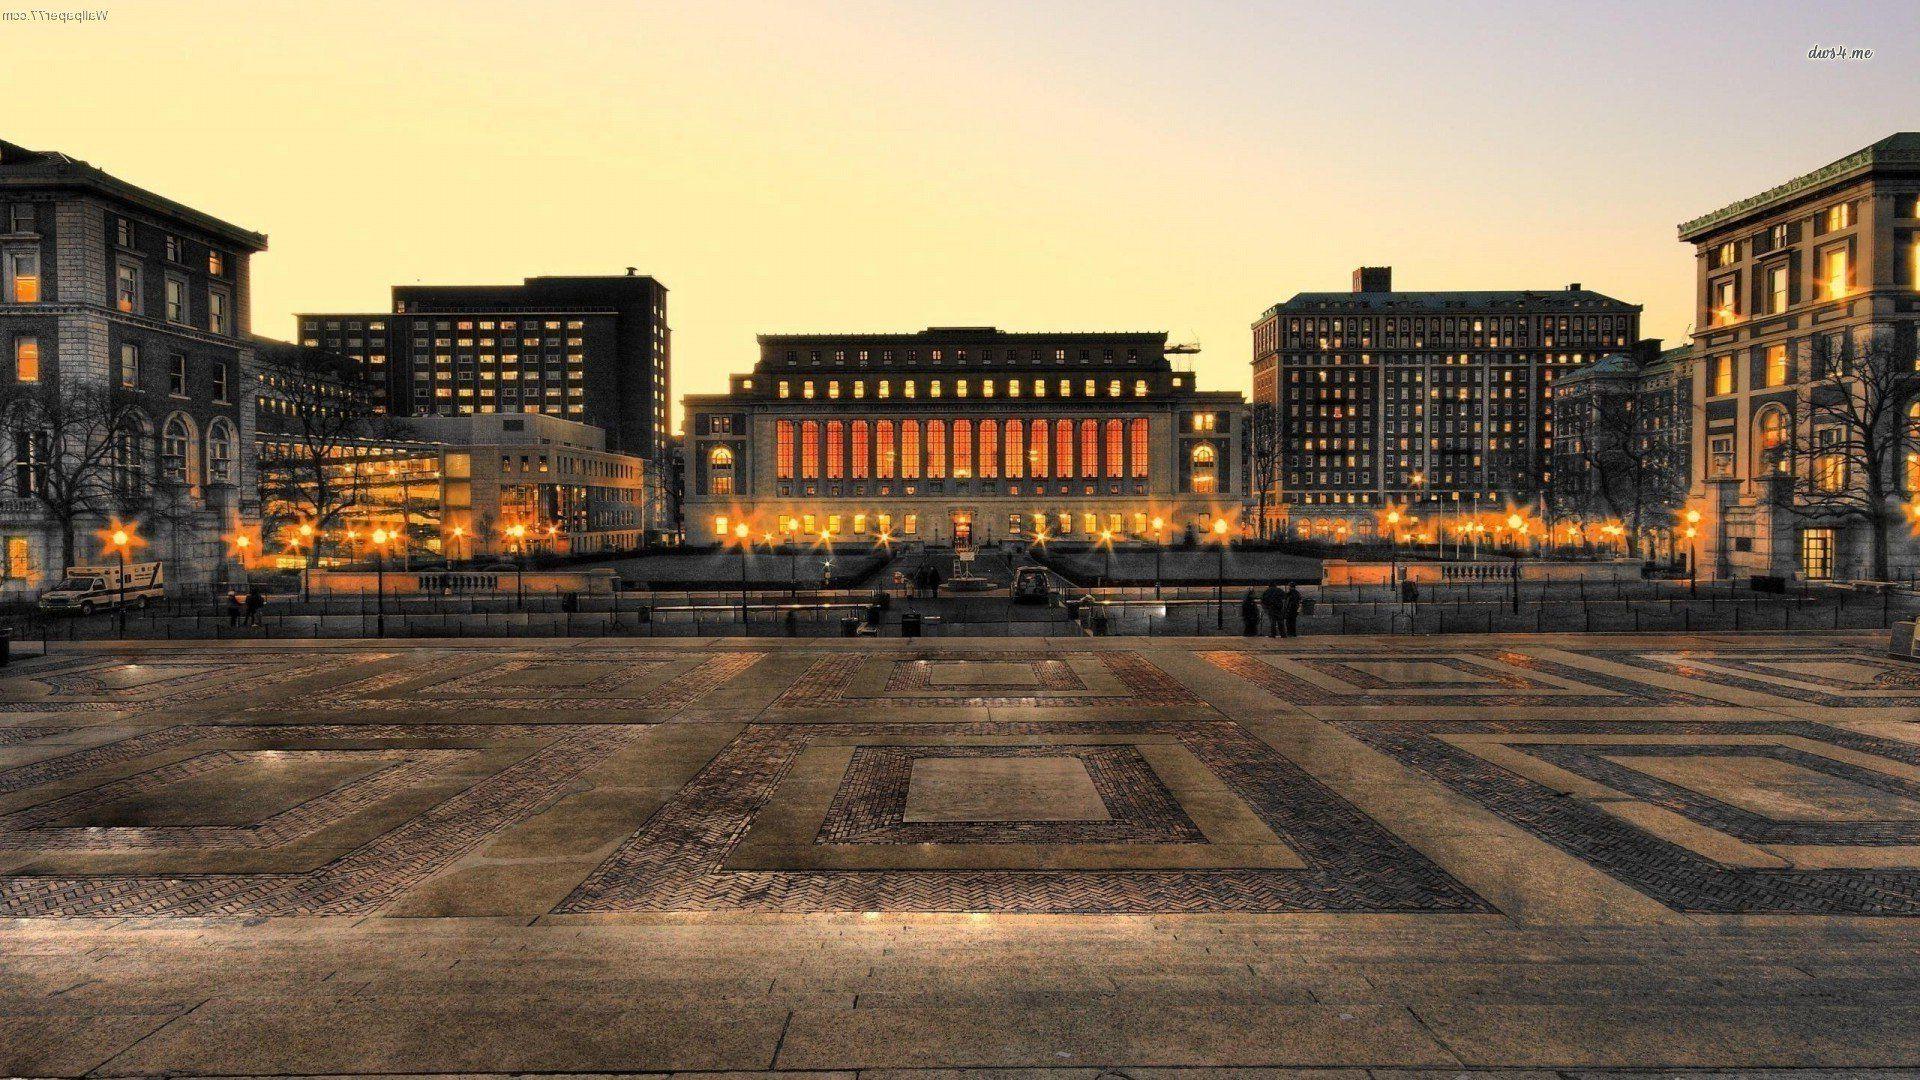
{"points": [[1275, 603], [1249, 615], [1290, 607], [255, 601], [233, 609]]}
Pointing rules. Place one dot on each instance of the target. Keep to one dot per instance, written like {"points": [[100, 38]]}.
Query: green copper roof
{"points": [[1900, 148]]}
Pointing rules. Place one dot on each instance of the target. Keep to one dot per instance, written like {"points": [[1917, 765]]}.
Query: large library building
{"points": [[963, 436]]}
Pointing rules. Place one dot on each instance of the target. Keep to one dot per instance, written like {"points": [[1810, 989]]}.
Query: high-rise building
{"points": [[1622, 448], [1404, 399], [963, 435], [1793, 284], [124, 340], [595, 350]]}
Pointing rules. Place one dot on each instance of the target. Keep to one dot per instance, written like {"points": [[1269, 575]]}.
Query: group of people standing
{"points": [[1282, 608]]}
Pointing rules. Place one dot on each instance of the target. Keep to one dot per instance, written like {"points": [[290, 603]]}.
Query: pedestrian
{"points": [[233, 609], [1290, 608], [933, 581], [1249, 615], [255, 601], [1275, 604], [1409, 592]]}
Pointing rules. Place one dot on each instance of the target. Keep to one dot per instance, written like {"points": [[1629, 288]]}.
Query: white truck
{"points": [[87, 589]]}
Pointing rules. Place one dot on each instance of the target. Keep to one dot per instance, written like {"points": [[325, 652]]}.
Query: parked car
{"points": [[86, 589]]}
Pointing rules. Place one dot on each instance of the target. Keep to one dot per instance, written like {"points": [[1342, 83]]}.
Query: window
{"points": [[129, 365], [1776, 368], [910, 524], [1138, 436], [220, 453], [989, 448], [26, 359], [216, 264], [1037, 450], [1777, 289], [30, 453], [23, 277], [217, 320], [1720, 457], [1206, 469], [862, 450], [1816, 554], [909, 449], [810, 451], [1724, 306], [1015, 453], [1829, 460], [123, 232], [884, 455], [1836, 273], [1089, 448], [1770, 441], [1063, 449], [1116, 448], [720, 471], [1722, 375], [936, 450], [836, 450], [785, 389], [176, 300], [177, 376], [783, 450], [720, 525], [1839, 216], [20, 218], [176, 451], [126, 289], [220, 383], [962, 449]]}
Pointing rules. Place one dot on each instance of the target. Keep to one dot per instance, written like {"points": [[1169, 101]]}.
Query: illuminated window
{"points": [[1829, 460], [1722, 375], [859, 524], [861, 450], [1091, 522], [720, 470], [720, 525], [886, 388], [1037, 450], [1770, 441], [910, 524], [1776, 365], [810, 450], [1140, 388], [1206, 469], [806, 389], [26, 359], [989, 449], [1089, 448], [126, 288], [936, 450], [785, 388], [910, 449], [962, 449], [836, 450], [1015, 455], [884, 460], [783, 450], [833, 389], [1116, 449], [23, 277], [1836, 273], [1777, 289], [1063, 449], [933, 387]]}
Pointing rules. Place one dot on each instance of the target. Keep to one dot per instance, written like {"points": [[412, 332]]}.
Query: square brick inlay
{"points": [[1722, 667], [828, 684], [676, 862], [114, 684], [1673, 874], [870, 806], [358, 882], [917, 676], [1592, 689]]}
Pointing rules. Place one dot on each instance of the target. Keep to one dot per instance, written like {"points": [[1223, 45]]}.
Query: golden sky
{"points": [[791, 167]]}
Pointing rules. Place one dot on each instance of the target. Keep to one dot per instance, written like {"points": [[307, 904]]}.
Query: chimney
{"points": [[1575, 287], [1373, 279]]}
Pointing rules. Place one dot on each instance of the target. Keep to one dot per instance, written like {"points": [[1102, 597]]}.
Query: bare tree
{"points": [[77, 449], [1623, 469], [316, 423], [1856, 425], [1263, 456]]}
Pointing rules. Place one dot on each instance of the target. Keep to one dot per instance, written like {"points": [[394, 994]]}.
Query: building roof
{"points": [[1443, 303], [1902, 148], [943, 334], [24, 168]]}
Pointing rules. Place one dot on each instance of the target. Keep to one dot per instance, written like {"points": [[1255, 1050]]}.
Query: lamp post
{"points": [[1159, 549], [518, 533], [120, 540], [1220, 579], [311, 540], [379, 538], [1106, 541], [740, 536], [1519, 526], [1693, 554], [459, 533], [1393, 547]]}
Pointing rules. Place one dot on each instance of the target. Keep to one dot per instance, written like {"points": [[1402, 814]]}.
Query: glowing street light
{"points": [[1220, 579], [1693, 553], [120, 541], [517, 532], [379, 539], [743, 537]]}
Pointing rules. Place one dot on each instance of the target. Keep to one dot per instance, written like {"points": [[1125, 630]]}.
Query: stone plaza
{"points": [[1332, 857]]}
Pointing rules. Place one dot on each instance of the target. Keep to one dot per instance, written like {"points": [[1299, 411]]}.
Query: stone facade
{"points": [[1433, 400], [931, 436], [113, 288], [1832, 256], [1625, 424]]}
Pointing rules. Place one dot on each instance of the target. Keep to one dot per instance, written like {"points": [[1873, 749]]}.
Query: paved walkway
{"points": [[1359, 855]]}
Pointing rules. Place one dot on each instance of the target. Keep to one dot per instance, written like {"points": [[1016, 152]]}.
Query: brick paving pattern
{"points": [[828, 684]]}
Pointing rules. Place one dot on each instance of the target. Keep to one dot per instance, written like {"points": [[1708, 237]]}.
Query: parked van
{"points": [[87, 589], [1030, 585]]}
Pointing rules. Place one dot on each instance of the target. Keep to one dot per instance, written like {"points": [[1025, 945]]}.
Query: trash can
{"points": [[910, 624], [850, 626]]}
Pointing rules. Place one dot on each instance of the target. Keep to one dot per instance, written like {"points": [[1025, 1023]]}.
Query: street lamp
{"points": [[120, 540], [740, 536], [1693, 553], [1393, 547], [518, 533], [1106, 541], [1519, 526], [379, 539], [1159, 549], [1220, 579]]}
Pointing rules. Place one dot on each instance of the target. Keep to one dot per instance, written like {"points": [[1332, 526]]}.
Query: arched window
{"points": [[1206, 469], [720, 470], [220, 459], [176, 451], [1770, 442]]}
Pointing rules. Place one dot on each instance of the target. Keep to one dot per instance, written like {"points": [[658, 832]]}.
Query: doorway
{"points": [[962, 523], [1816, 554]]}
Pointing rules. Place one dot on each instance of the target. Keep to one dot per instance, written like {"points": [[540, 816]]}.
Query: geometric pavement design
{"points": [[1518, 680], [353, 882], [1136, 681], [625, 679], [1783, 672], [678, 860], [1663, 866]]}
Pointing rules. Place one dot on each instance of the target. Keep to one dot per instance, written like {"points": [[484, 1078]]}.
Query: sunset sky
{"points": [[792, 166]]}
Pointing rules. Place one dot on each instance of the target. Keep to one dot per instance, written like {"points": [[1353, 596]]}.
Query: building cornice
{"points": [[1890, 151]]}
